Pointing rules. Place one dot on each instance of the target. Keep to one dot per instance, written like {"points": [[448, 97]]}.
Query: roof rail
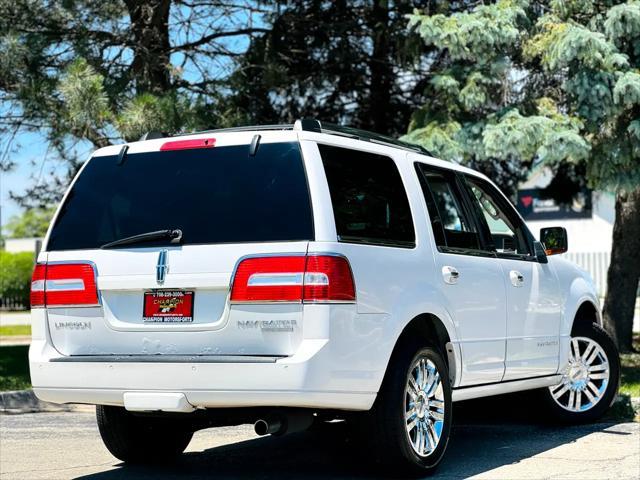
{"points": [[244, 128], [311, 125]]}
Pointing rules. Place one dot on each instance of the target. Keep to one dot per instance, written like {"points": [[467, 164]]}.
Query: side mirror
{"points": [[554, 240]]}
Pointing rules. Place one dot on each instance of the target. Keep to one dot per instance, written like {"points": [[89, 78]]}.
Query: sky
{"points": [[31, 159]]}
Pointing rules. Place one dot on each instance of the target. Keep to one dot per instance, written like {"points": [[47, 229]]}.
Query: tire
{"points": [[138, 439], [393, 441], [595, 375]]}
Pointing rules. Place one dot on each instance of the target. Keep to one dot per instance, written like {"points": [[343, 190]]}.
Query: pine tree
{"points": [[554, 82], [97, 72], [342, 61]]}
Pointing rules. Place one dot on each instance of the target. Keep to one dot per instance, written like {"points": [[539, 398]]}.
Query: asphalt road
{"points": [[56, 446]]}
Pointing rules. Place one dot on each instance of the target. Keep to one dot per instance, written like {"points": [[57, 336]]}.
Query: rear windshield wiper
{"points": [[174, 235]]}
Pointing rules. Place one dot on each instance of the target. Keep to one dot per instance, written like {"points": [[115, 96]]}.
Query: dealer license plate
{"points": [[168, 306]]}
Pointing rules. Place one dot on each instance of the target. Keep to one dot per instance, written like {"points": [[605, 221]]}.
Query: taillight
{"points": [[37, 285], [328, 278], [314, 278], [268, 279], [64, 285]]}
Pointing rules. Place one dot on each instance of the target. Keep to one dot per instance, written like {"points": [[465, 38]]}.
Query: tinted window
{"points": [[216, 195], [451, 227], [507, 235], [369, 200]]}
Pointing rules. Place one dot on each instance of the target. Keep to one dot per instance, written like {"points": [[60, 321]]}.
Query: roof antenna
{"points": [[122, 155], [255, 143]]}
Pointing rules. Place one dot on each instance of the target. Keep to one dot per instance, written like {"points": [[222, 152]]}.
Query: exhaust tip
{"points": [[279, 424], [261, 427]]}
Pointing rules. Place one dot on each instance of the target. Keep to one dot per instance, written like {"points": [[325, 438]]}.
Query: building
{"points": [[15, 245], [588, 220]]}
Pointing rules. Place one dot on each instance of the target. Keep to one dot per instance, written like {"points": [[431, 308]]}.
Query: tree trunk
{"points": [[151, 49], [624, 270], [378, 113]]}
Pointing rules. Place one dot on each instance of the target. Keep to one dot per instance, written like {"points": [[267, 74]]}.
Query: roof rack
{"points": [[249, 128], [312, 125]]}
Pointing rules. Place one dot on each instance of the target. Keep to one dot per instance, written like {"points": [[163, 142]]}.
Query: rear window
{"points": [[214, 195], [369, 200]]}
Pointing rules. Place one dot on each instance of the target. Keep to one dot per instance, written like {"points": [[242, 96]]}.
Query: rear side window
{"points": [[452, 228], [214, 195], [370, 204]]}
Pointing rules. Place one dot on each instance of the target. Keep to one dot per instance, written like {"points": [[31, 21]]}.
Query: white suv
{"points": [[288, 274]]}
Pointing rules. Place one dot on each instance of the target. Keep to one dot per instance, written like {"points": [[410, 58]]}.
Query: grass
{"points": [[14, 368], [630, 374], [13, 330]]}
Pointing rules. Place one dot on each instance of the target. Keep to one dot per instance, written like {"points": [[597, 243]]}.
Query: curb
{"points": [[25, 401], [625, 406], [14, 340]]}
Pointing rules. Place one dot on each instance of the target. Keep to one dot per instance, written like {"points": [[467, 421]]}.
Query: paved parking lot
{"points": [[56, 446]]}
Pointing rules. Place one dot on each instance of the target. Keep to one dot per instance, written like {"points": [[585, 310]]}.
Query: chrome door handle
{"points": [[517, 279], [450, 275]]}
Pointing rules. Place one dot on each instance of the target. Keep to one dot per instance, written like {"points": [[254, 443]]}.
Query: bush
{"points": [[15, 279]]}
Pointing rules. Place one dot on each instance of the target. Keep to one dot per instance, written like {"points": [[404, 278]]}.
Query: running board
{"points": [[487, 390]]}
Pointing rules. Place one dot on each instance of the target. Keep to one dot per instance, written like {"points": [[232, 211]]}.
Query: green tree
{"points": [[33, 222], [89, 73], [339, 61], [486, 105], [554, 82]]}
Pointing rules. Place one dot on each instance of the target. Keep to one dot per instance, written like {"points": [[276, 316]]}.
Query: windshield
{"points": [[213, 195]]}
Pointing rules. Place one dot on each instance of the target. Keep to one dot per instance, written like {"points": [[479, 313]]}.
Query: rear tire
{"points": [[409, 424], [590, 379], [138, 439]]}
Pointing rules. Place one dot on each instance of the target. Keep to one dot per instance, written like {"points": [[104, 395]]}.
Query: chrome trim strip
{"points": [[65, 285], [168, 359], [488, 389], [278, 279]]}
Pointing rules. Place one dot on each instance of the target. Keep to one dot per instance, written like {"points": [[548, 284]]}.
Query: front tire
{"points": [[138, 439], [590, 379], [410, 421]]}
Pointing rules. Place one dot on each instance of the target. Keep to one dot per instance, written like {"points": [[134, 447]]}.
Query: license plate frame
{"points": [[168, 306]]}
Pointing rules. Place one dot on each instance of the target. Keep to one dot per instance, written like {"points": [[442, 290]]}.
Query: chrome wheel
{"points": [[584, 379], [424, 406]]}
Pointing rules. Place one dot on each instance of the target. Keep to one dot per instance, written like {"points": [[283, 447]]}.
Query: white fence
{"points": [[596, 263]]}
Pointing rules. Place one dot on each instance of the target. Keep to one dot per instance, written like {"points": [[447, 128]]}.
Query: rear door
{"points": [[470, 279], [159, 297]]}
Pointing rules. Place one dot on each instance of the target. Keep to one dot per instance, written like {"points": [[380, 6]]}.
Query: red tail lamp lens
{"points": [[64, 285], [314, 278]]}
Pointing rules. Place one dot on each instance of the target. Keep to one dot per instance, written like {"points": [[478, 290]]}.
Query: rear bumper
{"points": [[215, 398], [301, 380], [338, 364]]}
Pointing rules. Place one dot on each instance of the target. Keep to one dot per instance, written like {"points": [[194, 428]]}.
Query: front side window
{"points": [[451, 226], [369, 200], [506, 233]]}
